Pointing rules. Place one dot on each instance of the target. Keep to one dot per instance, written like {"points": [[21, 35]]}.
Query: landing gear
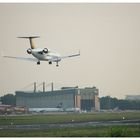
{"points": [[57, 64], [50, 62], [38, 63]]}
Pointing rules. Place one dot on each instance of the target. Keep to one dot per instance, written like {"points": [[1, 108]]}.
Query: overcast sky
{"points": [[108, 36]]}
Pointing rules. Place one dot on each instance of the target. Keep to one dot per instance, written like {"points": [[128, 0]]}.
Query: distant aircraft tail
{"points": [[31, 40]]}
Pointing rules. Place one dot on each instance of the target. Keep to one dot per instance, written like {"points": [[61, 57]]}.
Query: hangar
{"points": [[68, 97]]}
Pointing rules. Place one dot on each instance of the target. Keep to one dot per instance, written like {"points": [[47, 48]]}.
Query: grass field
{"points": [[87, 131], [57, 118], [105, 131]]}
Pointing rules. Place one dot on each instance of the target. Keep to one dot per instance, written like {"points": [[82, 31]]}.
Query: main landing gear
{"points": [[57, 64], [50, 62], [38, 63]]}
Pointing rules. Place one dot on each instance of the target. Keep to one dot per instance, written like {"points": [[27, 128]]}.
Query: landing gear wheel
{"points": [[57, 64], [50, 62], [38, 63]]}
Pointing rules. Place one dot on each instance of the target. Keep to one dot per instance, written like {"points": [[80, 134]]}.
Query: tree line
{"points": [[8, 99], [106, 102]]}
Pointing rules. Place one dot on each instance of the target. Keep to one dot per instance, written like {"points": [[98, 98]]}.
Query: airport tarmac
{"points": [[68, 124]]}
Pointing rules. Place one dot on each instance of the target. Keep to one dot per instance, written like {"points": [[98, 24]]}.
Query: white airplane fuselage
{"points": [[50, 56]]}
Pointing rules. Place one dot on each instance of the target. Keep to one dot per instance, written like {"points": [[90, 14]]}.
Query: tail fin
{"points": [[31, 40]]}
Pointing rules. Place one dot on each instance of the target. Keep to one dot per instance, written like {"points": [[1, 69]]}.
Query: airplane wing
{"points": [[73, 55], [23, 58]]}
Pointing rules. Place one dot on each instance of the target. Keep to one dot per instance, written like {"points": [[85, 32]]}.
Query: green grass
{"points": [[87, 131], [57, 118], [104, 131]]}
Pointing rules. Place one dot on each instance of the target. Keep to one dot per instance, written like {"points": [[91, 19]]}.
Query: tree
{"points": [[8, 99], [108, 102]]}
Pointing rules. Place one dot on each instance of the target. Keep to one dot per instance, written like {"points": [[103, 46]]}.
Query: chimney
{"points": [[34, 86], [52, 86], [43, 86]]}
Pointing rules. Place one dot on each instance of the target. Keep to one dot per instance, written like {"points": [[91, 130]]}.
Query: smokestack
{"points": [[34, 86], [43, 86], [52, 86]]}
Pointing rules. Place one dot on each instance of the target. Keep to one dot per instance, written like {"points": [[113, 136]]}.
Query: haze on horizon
{"points": [[108, 36]]}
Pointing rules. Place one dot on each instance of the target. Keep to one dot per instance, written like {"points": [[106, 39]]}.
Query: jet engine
{"points": [[29, 51], [45, 50]]}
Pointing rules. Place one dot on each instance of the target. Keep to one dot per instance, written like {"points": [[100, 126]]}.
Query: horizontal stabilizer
{"points": [[28, 37]]}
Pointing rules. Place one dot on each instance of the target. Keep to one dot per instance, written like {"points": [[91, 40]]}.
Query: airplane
{"points": [[40, 54]]}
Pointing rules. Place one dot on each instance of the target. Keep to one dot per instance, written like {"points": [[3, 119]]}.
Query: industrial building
{"points": [[132, 97], [66, 98]]}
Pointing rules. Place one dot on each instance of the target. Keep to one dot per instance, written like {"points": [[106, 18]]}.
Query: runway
{"points": [[68, 125]]}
